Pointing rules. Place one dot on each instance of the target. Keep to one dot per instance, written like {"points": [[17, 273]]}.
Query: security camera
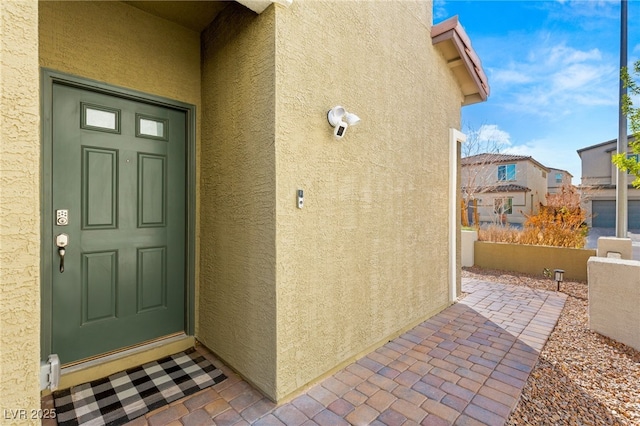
{"points": [[337, 116], [340, 129]]}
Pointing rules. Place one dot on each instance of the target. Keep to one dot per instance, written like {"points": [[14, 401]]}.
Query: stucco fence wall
{"points": [[531, 259], [468, 239], [614, 299]]}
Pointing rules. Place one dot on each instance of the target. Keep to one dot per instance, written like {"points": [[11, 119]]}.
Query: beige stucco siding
{"points": [[528, 175], [597, 168], [238, 282], [537, 181], [19, 210], [118, 44], [367, 255], [287, 294]]}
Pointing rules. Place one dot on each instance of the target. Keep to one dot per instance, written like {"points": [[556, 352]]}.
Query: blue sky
{"points": [[553, 69]]}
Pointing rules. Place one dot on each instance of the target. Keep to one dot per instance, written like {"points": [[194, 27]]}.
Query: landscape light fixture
{"points": [[340, 119], [559, 276]]}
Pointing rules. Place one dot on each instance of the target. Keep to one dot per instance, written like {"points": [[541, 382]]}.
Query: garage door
{"points": [[604, 214], [634, 214]]}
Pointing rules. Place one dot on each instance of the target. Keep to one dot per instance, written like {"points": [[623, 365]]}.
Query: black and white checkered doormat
{"points": [[121, 397]]}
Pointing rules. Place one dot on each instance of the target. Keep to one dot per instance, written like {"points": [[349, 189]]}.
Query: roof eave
{"points": [[630, 138], [259, 6], [450, 38]]}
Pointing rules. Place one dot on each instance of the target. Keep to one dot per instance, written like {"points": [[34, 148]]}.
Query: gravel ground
{"points": [[582, 377]]}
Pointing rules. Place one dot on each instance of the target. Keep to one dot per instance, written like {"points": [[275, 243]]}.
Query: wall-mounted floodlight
{"points": [[340, 119], [352, 119]]}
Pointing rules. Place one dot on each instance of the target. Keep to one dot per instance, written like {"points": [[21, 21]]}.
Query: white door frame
{"points": [[455, 137]]}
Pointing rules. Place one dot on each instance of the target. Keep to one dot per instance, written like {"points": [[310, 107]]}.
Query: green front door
{"points": [[118, 192]]}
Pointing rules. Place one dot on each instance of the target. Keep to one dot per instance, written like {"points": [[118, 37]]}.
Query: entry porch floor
{"points": [[466, 365]]}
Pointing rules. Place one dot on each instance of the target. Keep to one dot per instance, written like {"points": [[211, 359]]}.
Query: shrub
{"points": [[561, 223]]}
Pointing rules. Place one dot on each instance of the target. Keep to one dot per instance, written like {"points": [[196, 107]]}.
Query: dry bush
{"points": [[559, 227], [561, 223], [500, 234]]}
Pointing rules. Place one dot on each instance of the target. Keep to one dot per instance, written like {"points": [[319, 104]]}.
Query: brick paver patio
{"points": [[466, 365]]}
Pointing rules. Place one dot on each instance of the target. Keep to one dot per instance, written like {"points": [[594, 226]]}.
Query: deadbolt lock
{"points": [[62, 217]]}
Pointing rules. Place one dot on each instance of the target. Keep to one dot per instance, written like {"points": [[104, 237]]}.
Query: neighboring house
{"points": [[505, 187], [598, 187], [169, 142], [557, 179]]}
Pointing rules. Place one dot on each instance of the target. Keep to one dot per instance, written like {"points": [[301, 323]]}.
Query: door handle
{"points": [[62, 240]]}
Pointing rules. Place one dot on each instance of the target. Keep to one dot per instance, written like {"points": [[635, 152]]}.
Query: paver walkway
{"points": [[465, 366]]}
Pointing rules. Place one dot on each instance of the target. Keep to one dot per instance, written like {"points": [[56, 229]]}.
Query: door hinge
{"points": [[50, 373]]}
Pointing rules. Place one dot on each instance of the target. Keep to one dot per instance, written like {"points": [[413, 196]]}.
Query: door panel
{"points": [[99, 188], [119, 168]]}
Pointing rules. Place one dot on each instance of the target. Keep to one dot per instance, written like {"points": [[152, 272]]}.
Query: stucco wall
{"points": [[531, 259], [614, 304], [118, 44], [596, 165], [468, 247], [19, 211], [238, 281], [367, 255]]}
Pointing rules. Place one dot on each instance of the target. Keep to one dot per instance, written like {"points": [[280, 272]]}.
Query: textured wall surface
{"points": [[468, 239], [286, 294], [368, 253], [614, 305], [597, 168], [19, 210], [237, 306], [537, 181], [121, 45], [533, 260]]}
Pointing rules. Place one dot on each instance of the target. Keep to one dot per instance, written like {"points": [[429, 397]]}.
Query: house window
{"points": [[558, 177], [507, 172], [503, 205]]}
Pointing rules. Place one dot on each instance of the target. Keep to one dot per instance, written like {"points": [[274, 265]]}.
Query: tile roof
{"points": [[488, 158], [492, 158], [501, 188], [453, 42]]}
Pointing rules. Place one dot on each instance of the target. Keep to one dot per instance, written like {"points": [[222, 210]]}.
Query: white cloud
{"points": [[439, 10], [510, 76], [577, 76], [487, 138], [492, 133], [565, 55], [554, 78], [586, 11]]}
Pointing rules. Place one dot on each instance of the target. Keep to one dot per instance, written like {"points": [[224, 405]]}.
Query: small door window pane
{"points": [[100, 118], [149, 127]]}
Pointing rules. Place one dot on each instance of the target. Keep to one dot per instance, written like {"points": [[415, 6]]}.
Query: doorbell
{"points": [[300, 198]]}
